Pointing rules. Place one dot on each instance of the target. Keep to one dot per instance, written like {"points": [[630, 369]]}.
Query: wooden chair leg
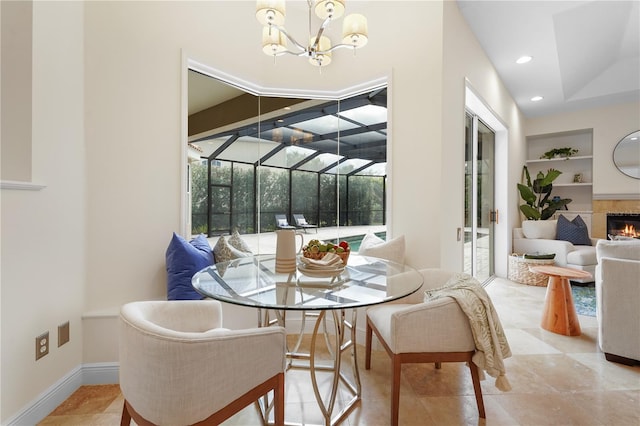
{"points": [[475, 378], [367, 350], [396, 368], [125, 420], [279, 401]]}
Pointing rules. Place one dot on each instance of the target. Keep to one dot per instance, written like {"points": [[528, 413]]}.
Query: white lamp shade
{"points": [[326, 8], [354, 30], [270, 12], [320, 59], [273, 41]]}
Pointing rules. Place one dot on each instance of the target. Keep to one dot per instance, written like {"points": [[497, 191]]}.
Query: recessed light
{"points": [[536, 98], [524, 59]]}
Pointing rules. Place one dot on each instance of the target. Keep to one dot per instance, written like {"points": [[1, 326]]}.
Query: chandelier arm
{"points": [[290, 38], [288, 52], [324, 25]]}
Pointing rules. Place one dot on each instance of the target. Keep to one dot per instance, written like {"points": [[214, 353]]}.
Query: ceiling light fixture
{"points": [[524, 59], [271, 14], [536, 98]]}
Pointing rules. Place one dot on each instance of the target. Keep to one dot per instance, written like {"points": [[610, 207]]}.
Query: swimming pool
{"points": [[355, 240]]}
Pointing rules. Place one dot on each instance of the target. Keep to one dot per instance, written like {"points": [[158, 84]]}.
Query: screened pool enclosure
{"points": [[254, 157]]}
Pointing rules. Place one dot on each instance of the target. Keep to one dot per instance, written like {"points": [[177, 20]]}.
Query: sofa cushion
{"points": [[619, 249], [183, 260], [582, 255], [374, 246], [574, 231], [543, 229]]}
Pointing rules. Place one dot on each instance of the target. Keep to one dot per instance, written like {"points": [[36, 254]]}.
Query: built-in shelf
{"points": [[577, 167], [561, 159], [555, 185]]}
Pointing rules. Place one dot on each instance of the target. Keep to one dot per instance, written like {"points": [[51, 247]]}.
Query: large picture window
{"points": [[257, 157]]}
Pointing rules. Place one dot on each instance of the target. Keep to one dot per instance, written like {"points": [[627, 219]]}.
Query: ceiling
{"points": [[586, 54]]}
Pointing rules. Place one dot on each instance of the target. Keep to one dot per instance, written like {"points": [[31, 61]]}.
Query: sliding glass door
{"points": [[480, 214]]}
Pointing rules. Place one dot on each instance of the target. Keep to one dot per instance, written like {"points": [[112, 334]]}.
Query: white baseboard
{"points": [[47, 401]]}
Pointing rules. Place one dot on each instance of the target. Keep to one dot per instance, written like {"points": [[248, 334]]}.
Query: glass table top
{"points": [[252, 281]]}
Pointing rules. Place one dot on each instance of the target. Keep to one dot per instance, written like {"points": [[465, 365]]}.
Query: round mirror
{"points": [[626, 155]]}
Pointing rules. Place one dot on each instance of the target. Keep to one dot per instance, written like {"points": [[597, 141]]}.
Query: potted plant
{"points": [[559, 152], [539, 205]]}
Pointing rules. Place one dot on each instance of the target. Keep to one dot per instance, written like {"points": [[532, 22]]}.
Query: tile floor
{"points": [[556, 380]]}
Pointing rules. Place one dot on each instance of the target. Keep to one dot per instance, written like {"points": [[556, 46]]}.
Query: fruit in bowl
{"points": [[316, 249]]}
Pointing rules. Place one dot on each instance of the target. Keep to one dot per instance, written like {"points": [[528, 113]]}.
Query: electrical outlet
{"points": [[42, 345], [63, 333]]}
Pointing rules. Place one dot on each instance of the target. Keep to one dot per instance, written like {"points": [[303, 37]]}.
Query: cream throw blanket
{"points": [[491, 343]]}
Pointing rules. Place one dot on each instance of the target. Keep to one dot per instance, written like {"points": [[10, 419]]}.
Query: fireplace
{"points": [[623, 226]]}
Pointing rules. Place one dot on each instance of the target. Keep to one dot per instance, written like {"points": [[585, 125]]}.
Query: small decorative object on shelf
{"points": [[317, 249], [578, 178], [559, 153], [558, 200]]}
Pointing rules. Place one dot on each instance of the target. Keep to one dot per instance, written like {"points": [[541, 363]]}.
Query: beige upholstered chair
{"points": [[178, 366], [617, 300], [414, 331]]}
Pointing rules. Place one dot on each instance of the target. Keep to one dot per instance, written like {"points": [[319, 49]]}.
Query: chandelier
{"points": [[271, 14]]}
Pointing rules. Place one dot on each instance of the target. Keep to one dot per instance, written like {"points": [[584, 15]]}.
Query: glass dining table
{"points": [[324, 296]]}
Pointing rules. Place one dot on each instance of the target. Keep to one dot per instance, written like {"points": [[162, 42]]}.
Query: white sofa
{"points": [[618, 300], [543, 241]]}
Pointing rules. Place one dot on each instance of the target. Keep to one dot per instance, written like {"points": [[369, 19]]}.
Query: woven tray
{"points": [[520, 273]]}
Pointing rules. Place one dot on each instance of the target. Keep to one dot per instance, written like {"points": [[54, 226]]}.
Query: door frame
{"points": [[502, 234]]}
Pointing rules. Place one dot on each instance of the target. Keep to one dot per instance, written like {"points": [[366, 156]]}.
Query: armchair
{"points": [[413, 331], [617, 300], [179, 366]]}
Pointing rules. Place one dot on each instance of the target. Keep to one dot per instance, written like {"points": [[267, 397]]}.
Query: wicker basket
{"points": [[520, 273], [317, 256]]}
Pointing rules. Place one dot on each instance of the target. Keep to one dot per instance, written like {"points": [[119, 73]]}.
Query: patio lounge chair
{"points": [[301, 222], [282, 222]]}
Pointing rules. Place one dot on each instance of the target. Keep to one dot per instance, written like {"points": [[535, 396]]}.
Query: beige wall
{"points": [[44, 232], [609, 124], [612, 190]]}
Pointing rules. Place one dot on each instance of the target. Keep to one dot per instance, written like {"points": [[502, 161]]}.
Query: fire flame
{"points": [[629, 231]]}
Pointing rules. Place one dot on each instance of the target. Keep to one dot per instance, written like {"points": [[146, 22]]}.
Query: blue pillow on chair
{"points": [[184, 259]]}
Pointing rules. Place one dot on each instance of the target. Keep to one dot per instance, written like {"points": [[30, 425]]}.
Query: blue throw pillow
{"points": [[574, 231], [184, 259]]}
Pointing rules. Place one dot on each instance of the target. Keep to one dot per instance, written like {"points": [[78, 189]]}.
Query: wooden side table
{"points": [[559, 313]]}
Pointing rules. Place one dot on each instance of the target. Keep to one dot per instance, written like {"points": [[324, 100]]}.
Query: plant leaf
{"points": [[551, 175], [526, 173], [530, 212], [527, 194], [553, 207]]}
